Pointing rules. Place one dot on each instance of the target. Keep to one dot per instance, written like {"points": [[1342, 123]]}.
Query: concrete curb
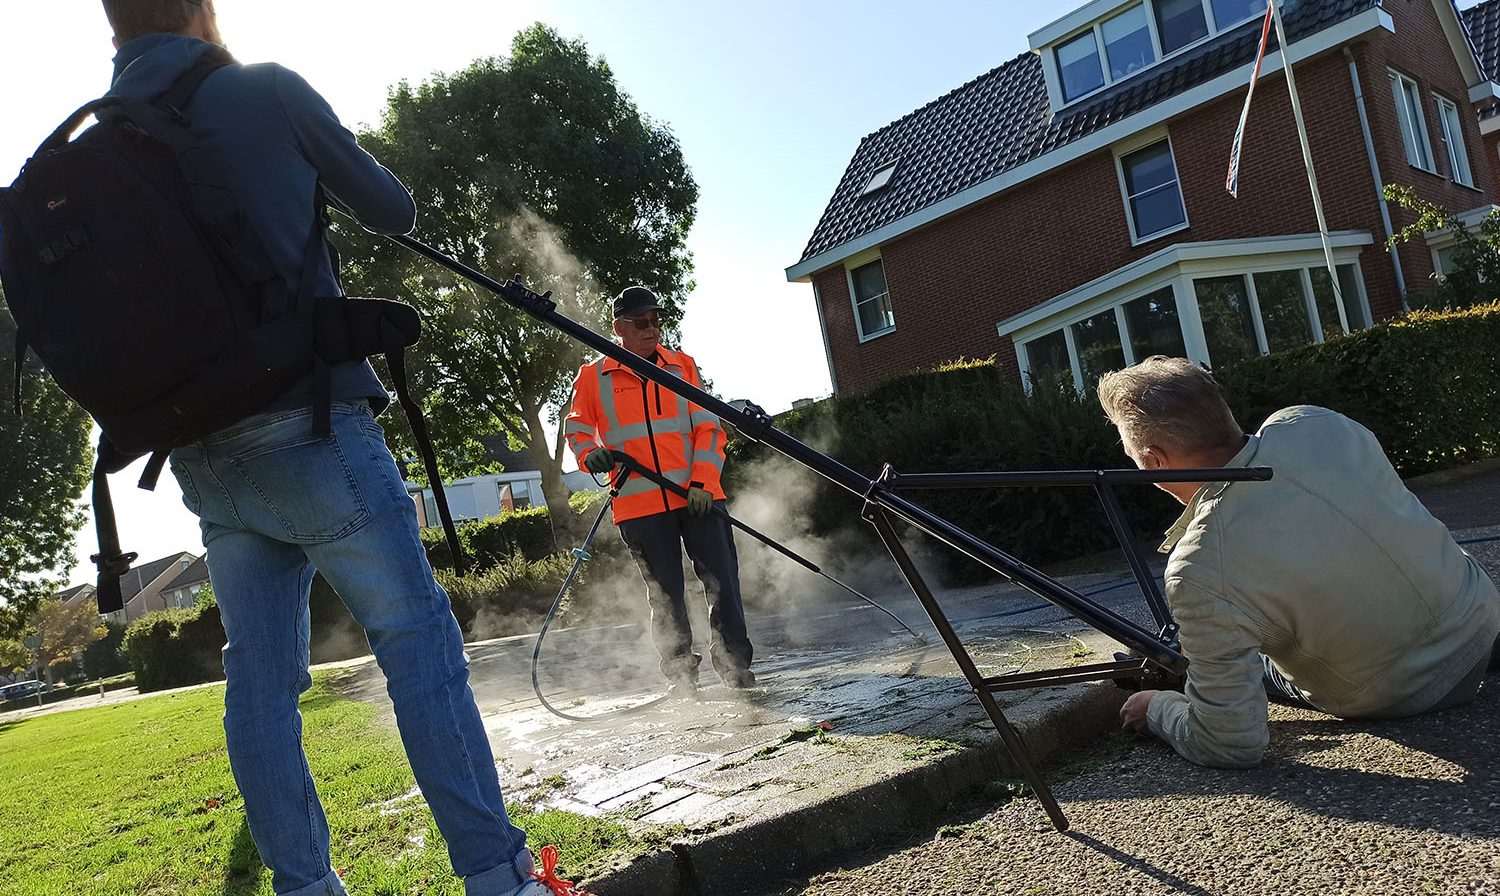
{"points": [[752, 858]]}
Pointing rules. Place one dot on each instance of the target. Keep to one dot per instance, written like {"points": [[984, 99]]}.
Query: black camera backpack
{"points": [[131, 273]]}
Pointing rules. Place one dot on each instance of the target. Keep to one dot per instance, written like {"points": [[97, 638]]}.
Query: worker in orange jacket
{"points": [[617, 411]]}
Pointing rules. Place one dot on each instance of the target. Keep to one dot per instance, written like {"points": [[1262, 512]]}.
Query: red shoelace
{"points": [[548, 875]]}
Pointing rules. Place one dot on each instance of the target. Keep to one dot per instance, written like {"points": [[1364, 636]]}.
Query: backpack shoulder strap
{"points": [[182, 90]]}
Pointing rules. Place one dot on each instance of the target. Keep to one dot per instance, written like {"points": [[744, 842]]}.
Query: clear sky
{"points": [[769, 100]]}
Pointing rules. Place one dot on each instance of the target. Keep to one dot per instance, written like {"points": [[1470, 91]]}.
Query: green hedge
{"points": [[509, 598], [495, 540], [173, 648], [1427, 385], [961, 418], [105, 657], [489, 542]]}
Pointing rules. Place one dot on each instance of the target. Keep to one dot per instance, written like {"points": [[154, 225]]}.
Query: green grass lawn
{"points": [[137, 798]]}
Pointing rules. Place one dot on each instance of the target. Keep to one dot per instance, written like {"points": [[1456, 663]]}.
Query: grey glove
{"points": [[600, 460], [699, 501]]}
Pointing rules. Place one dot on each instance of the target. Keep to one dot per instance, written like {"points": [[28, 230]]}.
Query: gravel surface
{"points": [[1410, 806]]}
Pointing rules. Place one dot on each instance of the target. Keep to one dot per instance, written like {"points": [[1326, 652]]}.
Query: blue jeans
{"points": [[275, 503]]}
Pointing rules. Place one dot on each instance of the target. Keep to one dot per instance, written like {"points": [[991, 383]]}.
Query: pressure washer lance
{"points": [[629, 466]]}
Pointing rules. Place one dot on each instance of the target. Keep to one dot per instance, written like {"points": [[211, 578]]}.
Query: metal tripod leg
{"points": [[1013, 743]]}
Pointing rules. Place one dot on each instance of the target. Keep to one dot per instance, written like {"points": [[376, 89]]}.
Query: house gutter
{"points": [[1385, 209]]}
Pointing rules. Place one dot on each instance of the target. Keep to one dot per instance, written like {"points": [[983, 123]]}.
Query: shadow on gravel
{"points": [[1127, 860], [1444, 774]]}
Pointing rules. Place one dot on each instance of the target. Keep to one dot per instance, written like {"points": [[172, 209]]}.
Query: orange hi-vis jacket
{"points": [[616, 409]]}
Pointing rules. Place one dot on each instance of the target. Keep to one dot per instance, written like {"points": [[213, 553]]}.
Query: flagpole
{"points": [[1312, 177]]}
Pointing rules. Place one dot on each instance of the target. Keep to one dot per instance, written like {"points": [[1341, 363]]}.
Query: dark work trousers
{"points": [[657, 542]]}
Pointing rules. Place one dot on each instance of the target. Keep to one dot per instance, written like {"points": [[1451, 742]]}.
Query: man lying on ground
{"points": [[1329, 587]]}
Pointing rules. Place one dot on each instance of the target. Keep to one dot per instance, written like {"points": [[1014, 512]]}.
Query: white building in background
{"points": [[481, 497]]}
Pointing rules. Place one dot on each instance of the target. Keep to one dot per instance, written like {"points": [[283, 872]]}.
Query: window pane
{"points": [[1127, 42], [1154, 327], [1179, 23], [1228, 13], [1224, 307], [1353, 307], [1283, 309], [871, 300], [869, 281], [1048, 360], [1098, 342], [1414, 130], [1078, 61], [875, 315], [1151, 183], [1403, 114], [1458, 155], [1328, 313], [1445, 263]]}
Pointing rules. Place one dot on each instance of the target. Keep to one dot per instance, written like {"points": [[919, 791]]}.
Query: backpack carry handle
{"points": [[64, 132]]}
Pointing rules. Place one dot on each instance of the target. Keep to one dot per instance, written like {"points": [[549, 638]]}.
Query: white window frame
{"points": [[1439, 240], [1188, 317], [1146, 141], [1458, 150], [1097, 26], [859, 261], [1062, 85], [1413, 134]]}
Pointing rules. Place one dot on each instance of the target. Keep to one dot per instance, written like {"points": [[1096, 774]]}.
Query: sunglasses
{"points": [[642, 323]]}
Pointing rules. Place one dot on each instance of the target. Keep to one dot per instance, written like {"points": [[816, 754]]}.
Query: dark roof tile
{"points": [[1483, 22], [1002, 119], [194, 574]]}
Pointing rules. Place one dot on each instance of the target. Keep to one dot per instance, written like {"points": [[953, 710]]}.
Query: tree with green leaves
{"points": [[14, 656], [65, 630], [1474, 273], [45, 463], [534, 165]]}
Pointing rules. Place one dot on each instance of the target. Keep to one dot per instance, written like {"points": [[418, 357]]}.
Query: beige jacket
{"points": [[1333, 570]]}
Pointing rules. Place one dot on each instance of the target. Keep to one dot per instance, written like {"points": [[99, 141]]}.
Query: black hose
{"points": [[628, 467], [580, 554]]}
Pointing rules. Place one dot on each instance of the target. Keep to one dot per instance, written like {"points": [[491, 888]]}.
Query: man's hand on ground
{"points": [[600, 460], [699, 501], [1133, 713]]}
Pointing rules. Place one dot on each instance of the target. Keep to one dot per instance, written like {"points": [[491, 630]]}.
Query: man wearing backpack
{"points": [[277, 502]]}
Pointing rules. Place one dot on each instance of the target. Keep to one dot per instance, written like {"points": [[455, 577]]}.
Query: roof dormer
{"points": [[1106, 42]]}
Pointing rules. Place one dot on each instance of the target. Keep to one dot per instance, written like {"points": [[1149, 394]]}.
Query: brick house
{"points": [[182, 591], [1066, 212], [143, 585]]}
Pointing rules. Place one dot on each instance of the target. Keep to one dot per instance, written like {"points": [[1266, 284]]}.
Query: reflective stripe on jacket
{"points": [[616, 409]]}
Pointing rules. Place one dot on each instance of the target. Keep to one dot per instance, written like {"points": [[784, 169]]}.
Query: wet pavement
{"points": [[864, 703]]}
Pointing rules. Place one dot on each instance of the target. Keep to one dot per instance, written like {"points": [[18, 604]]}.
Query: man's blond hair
{"points": [[135, 18], [1168, 402]]}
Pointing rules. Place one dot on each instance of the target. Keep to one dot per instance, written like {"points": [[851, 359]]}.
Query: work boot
{"points": [[683, 688], [739, 679]]}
